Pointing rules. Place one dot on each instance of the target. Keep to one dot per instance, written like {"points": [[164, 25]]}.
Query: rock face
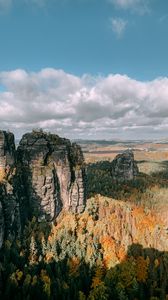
{"points": [[9, 206], [2, 225], [44, 175], [7, 150], [52, 176], [124, 167]]}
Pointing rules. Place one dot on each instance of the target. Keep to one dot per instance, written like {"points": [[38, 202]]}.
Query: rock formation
{"points": [[124, 167], [7, 151], [44, 175], [2, 225], [51, 172], [9, 206]]}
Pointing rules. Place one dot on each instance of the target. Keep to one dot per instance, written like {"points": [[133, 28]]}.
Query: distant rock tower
{"points": [[124, 167]]}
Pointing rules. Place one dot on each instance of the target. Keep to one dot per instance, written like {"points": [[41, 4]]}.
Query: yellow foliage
{"points": [[74, 264], [2, 174], [107, 243], [121, 254], [96, 282], [97, 279], [109, 251], [141, 269], [156, 263], [22, 253], [19, 275], [49, 256], [44, 277], [89, 252], [82, 296], [47, 282]]}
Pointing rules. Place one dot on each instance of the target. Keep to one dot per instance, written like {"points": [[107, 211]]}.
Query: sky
{"points": [[85, 69]]}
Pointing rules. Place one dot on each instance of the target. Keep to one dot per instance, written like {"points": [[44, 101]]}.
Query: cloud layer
{"points": [[115, 106], [138, 6], [118, 26]]}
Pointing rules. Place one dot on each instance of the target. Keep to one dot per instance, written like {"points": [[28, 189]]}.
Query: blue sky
{"points": [[78, 36], [100, 38]]}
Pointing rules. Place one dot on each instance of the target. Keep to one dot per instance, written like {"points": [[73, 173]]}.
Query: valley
{"points": [[86, 221]]}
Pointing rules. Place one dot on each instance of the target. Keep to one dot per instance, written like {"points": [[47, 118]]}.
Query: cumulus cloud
{"points": [[114, 106], [138, 6], [118, 26]]}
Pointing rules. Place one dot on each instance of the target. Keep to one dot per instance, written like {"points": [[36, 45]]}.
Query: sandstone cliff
{"points": [[9, 206], [52, 176], [7, 151], [43, 176], [124, 167]]}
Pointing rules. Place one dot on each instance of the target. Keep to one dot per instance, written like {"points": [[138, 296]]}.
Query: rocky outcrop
{"points": [[7, 150], [124, 167], [44, 175], [52, 176], [9, 206], [2, 225], [10, 211]]}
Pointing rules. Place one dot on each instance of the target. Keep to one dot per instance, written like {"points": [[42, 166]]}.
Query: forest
{"points": [[97, 254]]}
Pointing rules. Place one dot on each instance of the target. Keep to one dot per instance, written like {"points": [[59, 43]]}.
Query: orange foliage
{"points": [[74, 264], [109, 251], [97, 279], [144, 220], [141, 269], [2, 174], [121, 254], [89, 252], [49, 257]]}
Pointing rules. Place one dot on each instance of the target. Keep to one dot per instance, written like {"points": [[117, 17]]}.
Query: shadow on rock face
{"points": [[44, 175], [51, 170]]}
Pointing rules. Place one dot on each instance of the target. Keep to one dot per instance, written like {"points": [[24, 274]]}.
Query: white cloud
{"points": [[115, 106], [138, 6], [118, 26]]}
